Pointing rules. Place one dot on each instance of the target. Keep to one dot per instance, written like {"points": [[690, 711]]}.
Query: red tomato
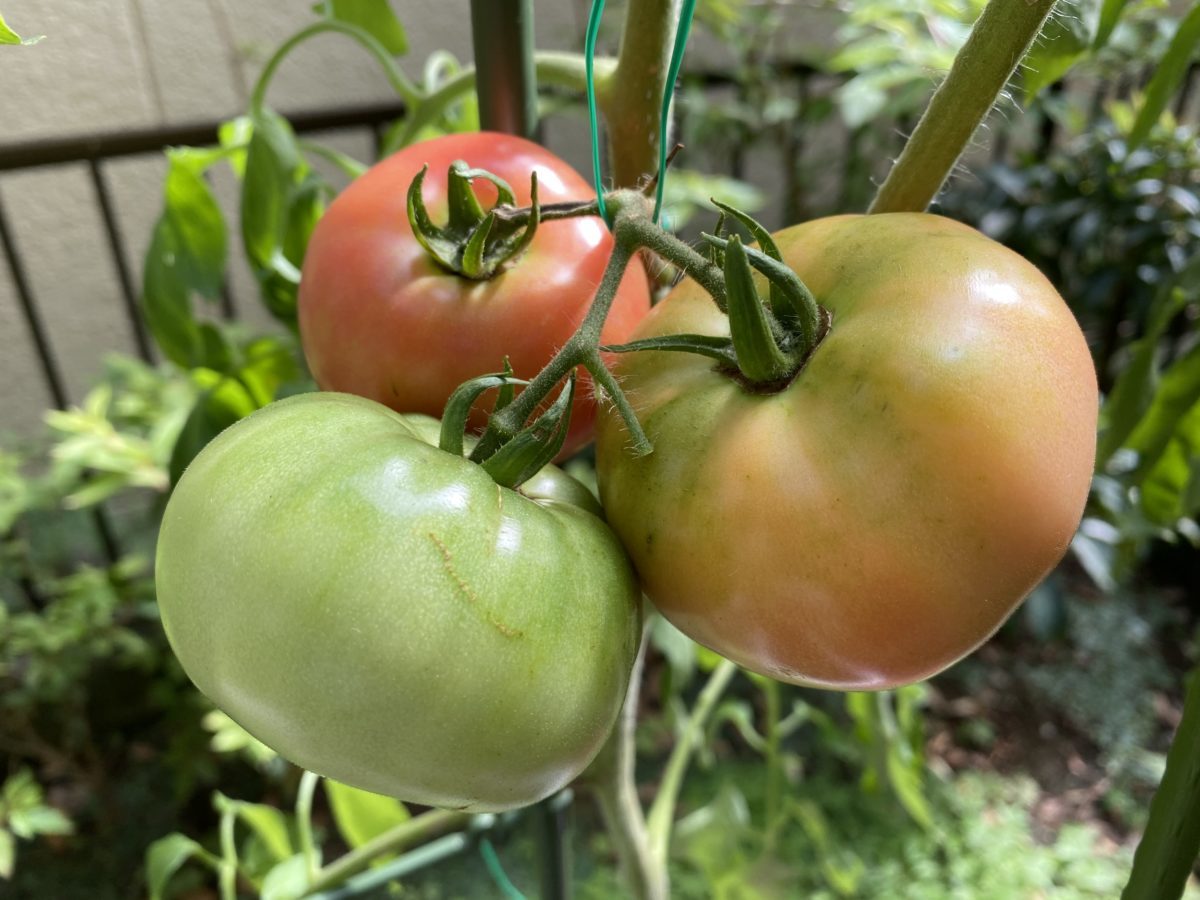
{"points": [[379, 318]]}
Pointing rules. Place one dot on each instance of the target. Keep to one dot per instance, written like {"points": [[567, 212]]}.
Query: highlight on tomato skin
{"points": [[360, 601], [381, 319], [880, 517]]}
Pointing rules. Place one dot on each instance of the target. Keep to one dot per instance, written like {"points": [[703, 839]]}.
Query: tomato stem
{"points": [[997, 44], [304, 804], [612, 778], [400, 82]]}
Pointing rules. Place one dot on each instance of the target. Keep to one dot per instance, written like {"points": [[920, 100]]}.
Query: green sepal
{"points": [[534, 446], [458, 407], [780, 305], [474, 244], [755, 337], [718, 348], [794, 304]]}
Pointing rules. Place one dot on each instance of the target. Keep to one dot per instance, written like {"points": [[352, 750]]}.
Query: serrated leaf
{"points": [[1168, 76], [361, 815], [374, 16]]}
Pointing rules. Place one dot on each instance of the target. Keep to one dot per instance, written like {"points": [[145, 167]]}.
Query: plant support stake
{"points": [[506, 84], [982, 68]]}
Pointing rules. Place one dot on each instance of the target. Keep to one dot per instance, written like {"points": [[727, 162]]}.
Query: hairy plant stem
{"points": [[419, 830], [227, 871], [997, 43], [774, 777], [632, 100]]}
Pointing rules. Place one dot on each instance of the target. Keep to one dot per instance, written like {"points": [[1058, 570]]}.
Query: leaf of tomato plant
{"points": [[1178, 392], [1065, 39], [270, 824], [167, 855], [187, 255], [361, 815], [1171, 489], [375, 16], [273, 202], [1168, 75]]}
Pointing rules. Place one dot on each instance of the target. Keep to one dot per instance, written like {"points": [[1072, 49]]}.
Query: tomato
{"points": [[879, 517], [379, 318], [381, 612]]}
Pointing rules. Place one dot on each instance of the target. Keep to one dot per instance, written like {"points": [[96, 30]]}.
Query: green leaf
{"points": [[166, 856], [1168, 75], [271, 826], [1065, 39], [8, 36], [1110, 14], [39, 820], [288, 880], [361, 815], [223, 403], [187, 255], [1134, 391], [375, 16], [1169, 490], [281, 203], [8, 844], [1177, 393]]}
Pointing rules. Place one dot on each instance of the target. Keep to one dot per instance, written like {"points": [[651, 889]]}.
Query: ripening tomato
{"points": [[880, 516], [379, 318], [382, 612]]}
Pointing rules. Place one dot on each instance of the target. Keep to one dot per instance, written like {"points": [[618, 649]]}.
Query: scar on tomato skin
{"points": [[471, 597]]}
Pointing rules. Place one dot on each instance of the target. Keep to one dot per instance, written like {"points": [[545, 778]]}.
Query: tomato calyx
{"points": [[771, 338], [527, 452], [473, 243]]}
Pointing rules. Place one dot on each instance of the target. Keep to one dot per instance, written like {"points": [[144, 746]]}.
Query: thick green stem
{"points": [[684, 257], [632, 100], [420, 830], [304, 803], [612, 778], [1168, 849], [662, 811], [982, 68], [563, 70], [406, 90]]}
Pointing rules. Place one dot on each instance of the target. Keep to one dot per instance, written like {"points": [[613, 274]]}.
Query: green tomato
{"points": [[381, 612]]}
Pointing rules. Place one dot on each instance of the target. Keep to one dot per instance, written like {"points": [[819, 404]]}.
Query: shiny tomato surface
{"points": [[881, 516], [381, 319]]}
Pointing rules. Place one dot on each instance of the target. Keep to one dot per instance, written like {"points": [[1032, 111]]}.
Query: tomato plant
{"points": [[381, 319], [880, 516], [360, 601]]}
